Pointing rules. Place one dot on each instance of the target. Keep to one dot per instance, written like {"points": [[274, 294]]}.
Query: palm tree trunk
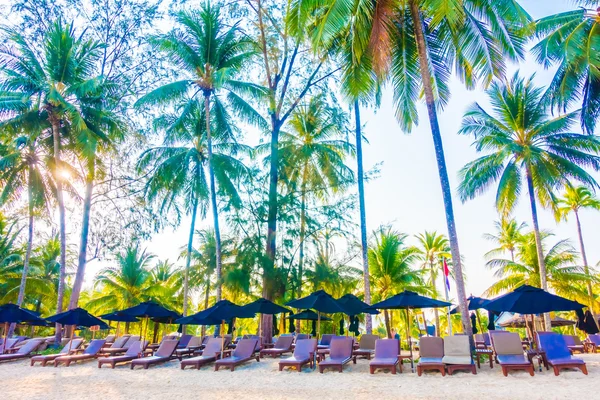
{"points": [[62, 224], [363, 215], [586, 267], [302, 237], [538, 241], [85, 228], [188, 260], [441, 163], [206, 296], [213, 197], [388, 328]]}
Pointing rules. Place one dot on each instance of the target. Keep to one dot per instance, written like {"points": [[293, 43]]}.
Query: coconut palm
{"points": [[573, 200], [507, 236], [11, 256], [211, 54], [55, 80], [523, 144], [391, 267], [560, 261], [566, 40], [313, 154], [432, 248]]}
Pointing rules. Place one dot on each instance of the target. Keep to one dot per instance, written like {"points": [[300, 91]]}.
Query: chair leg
{"points": [[556, 370], [504, 371], [531, 371], [393, 369], [419, 371], [583, 369]]}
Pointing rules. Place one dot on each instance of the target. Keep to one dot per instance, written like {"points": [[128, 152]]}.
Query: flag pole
{"points": [[446, 287]]}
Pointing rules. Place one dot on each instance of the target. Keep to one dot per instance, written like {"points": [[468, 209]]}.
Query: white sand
{"points": [[264, 381]]}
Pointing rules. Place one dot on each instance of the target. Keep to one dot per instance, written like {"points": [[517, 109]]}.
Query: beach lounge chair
{"points": [[431, 352], [325, 341], [211, 353], [163, 354], [302, 336], [282, 345], [386, 355], [109, 339], [244, 351], [366, 346], [457, 354], [193, 345], [120, 346], [482, 341], [593, 342], [70, 347], [509, 353], [184, 340], [23, 352], [558, 354], [574, 344], [340, 353], [304, 353], [92, 351], [134, 351], [10, 345]]}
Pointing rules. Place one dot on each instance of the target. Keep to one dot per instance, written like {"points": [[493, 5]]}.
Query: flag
{"points": [[446, 274]]}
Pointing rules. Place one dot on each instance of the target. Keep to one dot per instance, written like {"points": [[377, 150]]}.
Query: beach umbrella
{"points": [[408, 300], [520, 321], [531, 300], [474, 303], [118, 318], [12, 313], [353, 306], [308, 315], [264, 306], [320, 301], [147, 310], [78, 317]]}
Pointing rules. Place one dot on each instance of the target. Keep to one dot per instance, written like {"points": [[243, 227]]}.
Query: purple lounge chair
{"points": [[593, 343], [386, 355], [10, 344], [366, 346], [304, 353], [574, 344], [193, 345], [244, 351], [340, 353], [509, 353], [282, 345], [71, 346], [23, 352], [431, 352], [163, 354], [184, 341], [92, 351], [325, 341], [133, 352], [120, 346], [558, 354], [211, 353]]}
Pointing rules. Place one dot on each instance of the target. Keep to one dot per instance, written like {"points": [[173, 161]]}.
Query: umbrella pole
{"points": [[412, 365], [318, 325], [5, 337], [222, 337], [117, 332]]}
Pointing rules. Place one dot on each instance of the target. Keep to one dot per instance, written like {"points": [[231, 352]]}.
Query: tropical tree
{"points": [[573, 200], [432, 248], [313, 154], [211, 54], [567, 40], [391, 267], [560, 261], [522, 142], [11, 255], [507, 236]]}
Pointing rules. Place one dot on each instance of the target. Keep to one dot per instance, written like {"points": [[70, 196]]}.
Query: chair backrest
{"points": [[594, 339], [326, 339], [340, 348], [195, 341], [134, 349], [284, 342], [132, 339], [185, 340], [119, 342], [367, 342], [167, 348], [387, 348], [73, 344], [506, 343], [570, 340], [304, 347], [205, 339], [110, 338], [94, 347], [302, 336], [213, 346], [457, 346], [431, 347], [554, 345], [245, 348], [30, 346], [577, 340]]}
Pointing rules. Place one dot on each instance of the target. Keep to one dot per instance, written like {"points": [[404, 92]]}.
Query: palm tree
{"points": [[312, 153], [573, 200], [55, 80], [211, 54], [418, 44], [508, 234], [432, 248], [560, 262], [522, 142], [566, 39], [10, 255], [390, 267]]}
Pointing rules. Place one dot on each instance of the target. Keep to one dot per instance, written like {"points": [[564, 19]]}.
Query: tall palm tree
{"points": [[560, 261], [432, 248], [391, 267], [574, 199], [211, 54], [313, 154], [56, 80], [11, 255], [522, 142], [418, 44], [566, 40], [507, 236]]}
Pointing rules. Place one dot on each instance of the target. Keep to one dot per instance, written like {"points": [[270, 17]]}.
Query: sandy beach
{"points": [[263, 381]]}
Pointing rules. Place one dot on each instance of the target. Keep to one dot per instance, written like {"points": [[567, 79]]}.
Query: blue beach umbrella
{"points": [[531, 300], [12, 313], [321, 301]]}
